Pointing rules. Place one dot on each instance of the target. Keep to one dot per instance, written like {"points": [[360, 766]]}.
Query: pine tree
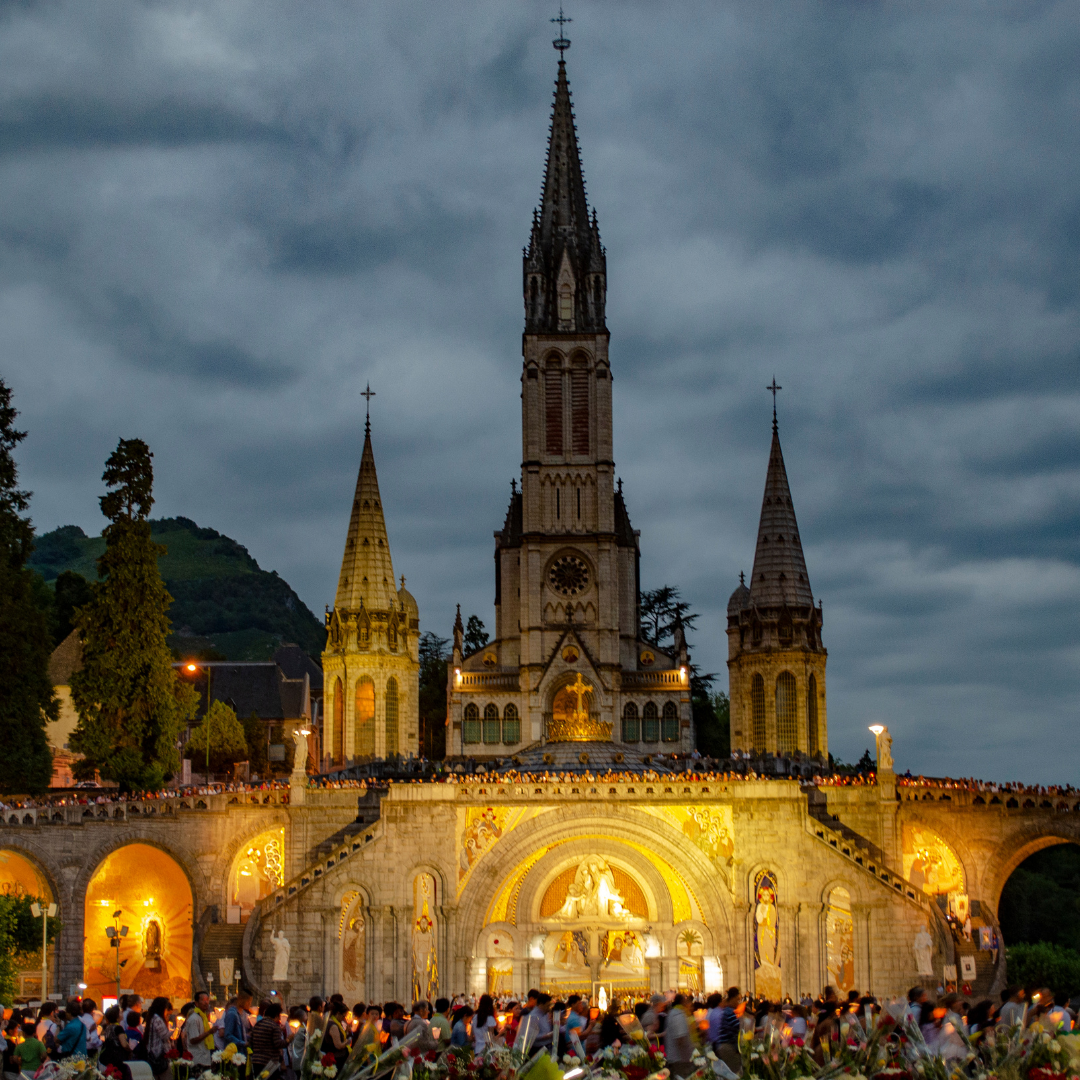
{"points": [[27, 702], [476, 635], [131, 703]]}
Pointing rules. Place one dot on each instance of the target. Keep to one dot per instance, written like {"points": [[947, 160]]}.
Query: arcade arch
{"points": [[144, 889], [21, 876], [258, 868]]}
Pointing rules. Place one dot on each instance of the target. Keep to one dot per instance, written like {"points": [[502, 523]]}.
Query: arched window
{"points": [[511, 732], [470, 724], [631, 725], [579, 410], [786, 734], [566, 302], [363, 633], [813, 738], [391, 707], [391, 635], [669, 728], [491, 724], [337, 722], [553, 409], [757, 710], [364, 743], [650, 723]]}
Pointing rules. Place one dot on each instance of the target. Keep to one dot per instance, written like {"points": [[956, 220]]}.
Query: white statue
{"points": [[884, 752], [923, 946], [593, 892], [282, 949]]}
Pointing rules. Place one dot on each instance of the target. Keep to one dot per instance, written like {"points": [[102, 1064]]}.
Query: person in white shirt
{"points": [[91, 1018]]}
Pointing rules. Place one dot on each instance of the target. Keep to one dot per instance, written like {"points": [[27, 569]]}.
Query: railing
{"points": [[642, 679], [1005, 800], [487, 680]]}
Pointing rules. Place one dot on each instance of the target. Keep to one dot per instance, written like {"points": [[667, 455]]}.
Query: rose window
{"points": [[569, 575]]}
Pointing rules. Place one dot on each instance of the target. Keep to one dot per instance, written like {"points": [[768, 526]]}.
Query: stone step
{"points": [[222, 941]]}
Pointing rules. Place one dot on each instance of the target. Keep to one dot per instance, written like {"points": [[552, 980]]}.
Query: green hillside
{"points": [[222, 600]]}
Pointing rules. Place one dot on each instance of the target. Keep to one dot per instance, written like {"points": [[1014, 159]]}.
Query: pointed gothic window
{"points": [[650, 723], [364, 741], [757, 711], [566, 302], [579, 407], [391, 635], [337, 721], [391, 706], [631, 725], [491, 724], [511, 728], [787, 738], [669, 726], [553, 408], [814, 738], [470, 724]]}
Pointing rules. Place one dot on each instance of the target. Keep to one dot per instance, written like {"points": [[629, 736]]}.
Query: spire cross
{"points": [[773, 387], [562, 42], [369, 394]]}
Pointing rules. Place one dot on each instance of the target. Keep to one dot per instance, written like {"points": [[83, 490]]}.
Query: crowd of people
{"points": [[678, 1024]]}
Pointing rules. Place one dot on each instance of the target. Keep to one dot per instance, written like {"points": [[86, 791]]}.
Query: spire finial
{"points": [[742, 577], [513, 486], [562, 42], [773, 387], [620, 485], [369, 394]]}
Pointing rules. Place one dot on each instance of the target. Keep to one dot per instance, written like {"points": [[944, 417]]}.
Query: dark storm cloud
{"points": [[218, 222]]}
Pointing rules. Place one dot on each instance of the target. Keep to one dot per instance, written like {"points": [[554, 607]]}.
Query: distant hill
{"points": [[222, 600]]}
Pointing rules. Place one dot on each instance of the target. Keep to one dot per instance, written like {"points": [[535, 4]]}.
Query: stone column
{"points": [[789, 949]]}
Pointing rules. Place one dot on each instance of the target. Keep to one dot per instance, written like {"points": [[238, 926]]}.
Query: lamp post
{"points": [[45, 912], [114, 933], [193, 668]]}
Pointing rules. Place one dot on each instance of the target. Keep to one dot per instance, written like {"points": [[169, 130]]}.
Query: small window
{"points": [[669, 728], [814, 738], [757, 709], [786, 713], [631, 725], [650, 723], [470, 724], [390, 707], [492, 733], [566, 303], [511, 728]]}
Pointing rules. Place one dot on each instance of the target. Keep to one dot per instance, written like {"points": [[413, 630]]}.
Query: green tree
{"points": [[476, 636], [434, 662], [71, 592], [255, 735], [1043, 963], [27, 702], [131, 704], [712, 723], [228, 743]]}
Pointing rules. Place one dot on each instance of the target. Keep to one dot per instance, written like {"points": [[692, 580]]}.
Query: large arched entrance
{"points": [[257, 870], [19, 876], [145, 890]]}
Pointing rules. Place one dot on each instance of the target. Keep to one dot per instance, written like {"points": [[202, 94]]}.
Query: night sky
{"points": [[218, 221]]}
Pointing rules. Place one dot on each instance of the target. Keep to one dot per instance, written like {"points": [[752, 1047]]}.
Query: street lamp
{"points": [[115, 933], [45, 912], [193, 668]]}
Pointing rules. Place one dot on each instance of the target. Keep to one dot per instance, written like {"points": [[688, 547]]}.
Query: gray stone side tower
{"points": [[566, 559], [776, 661], [371, 663]]}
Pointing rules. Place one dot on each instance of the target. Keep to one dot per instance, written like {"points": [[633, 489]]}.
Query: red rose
{"points": [[172, 1053], [431, 1055], [327, 1060], [798, 1042], [186, 1056]]}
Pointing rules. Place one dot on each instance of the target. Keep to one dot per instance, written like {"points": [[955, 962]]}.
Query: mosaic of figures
{"points": [[480, 828], [840, 940], [593, 890], [709, 828], [766, 937], [351, 931], [929, 862], [425, 962]]}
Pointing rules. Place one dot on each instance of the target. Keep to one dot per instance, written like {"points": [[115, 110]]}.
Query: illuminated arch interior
{"points": [[930, 863], [257, 870], [20, 877], [152, 895]]}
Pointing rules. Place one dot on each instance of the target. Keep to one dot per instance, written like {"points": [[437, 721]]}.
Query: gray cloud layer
{"points": [[218, 221]]}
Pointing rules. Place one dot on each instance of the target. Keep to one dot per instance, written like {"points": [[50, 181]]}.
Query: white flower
{"points": [[316, 1069], [331, 1071], [239, 1059], [1055, 1045], [215, 1056]]}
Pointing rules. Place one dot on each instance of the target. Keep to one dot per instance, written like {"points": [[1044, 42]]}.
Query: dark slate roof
{"points": [[296, 663], [566, 757], [511, 530], [624, 531], [740, 599], [779, 575], [254, 687]]}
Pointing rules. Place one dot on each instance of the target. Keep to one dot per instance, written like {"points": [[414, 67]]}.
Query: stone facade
{"points": [[371, 664], [566, 559]]}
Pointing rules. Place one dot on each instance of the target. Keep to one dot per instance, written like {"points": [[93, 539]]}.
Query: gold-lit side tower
{"points": [[776, 661], [371, 664]]}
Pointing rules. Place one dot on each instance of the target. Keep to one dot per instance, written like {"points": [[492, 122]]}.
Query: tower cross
{"points": [[369, 394], [773, 387], [562, 42]]}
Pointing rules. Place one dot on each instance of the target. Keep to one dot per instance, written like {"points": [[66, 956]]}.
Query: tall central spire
{"points": [[565, 269]]}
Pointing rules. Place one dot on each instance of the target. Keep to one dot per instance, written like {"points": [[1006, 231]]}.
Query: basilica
{"points": [[573, 843]]}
